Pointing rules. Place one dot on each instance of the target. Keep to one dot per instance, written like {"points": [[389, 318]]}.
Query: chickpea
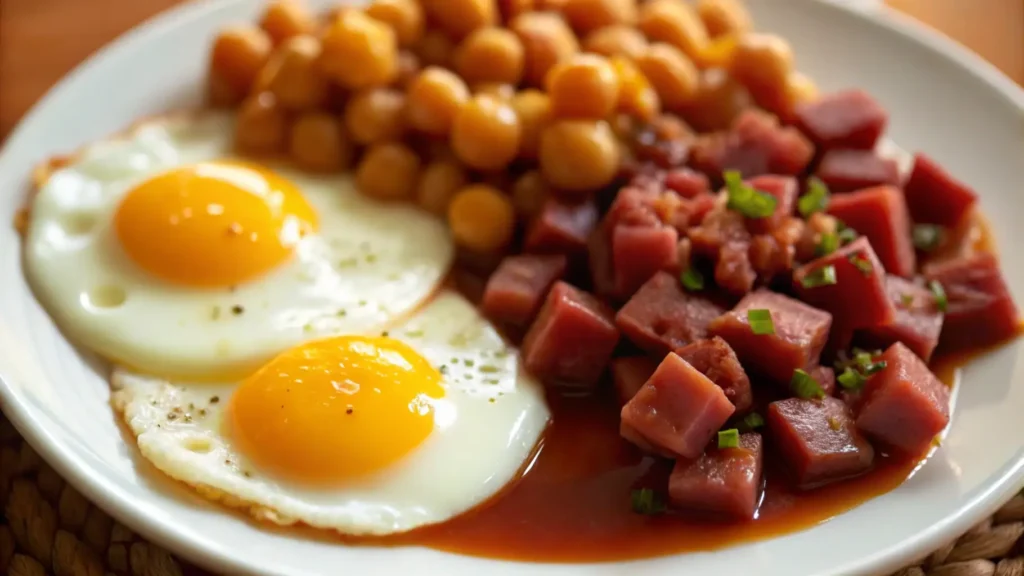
{"points": [[718, 53], [529, 192], [588, 15], [763, 62], [533, 108], [637, 96], [481, 218], [284, 19], [490, 55], [438, 184], [675, 23], [503, 92], [408, 68], [317, 143], [359, 52], [547, 40], [261, 126], [672, 74], [238, 55], [388, 171], [404, 16], [585, 86], [460, 17], [723, 17], [719, 100], [293, 75], [579, 155], [375, 115], [617, 40], [435, 49], [485, 133], [433, 99], [509, 9]]}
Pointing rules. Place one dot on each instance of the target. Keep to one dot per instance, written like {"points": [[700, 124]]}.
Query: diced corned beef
{"points": [[858, 298], [639, 252], [719, 228], [716, 360], [826, 378], [665, 149], [629, 373], [980, 309], [848, 170], [721, 481], [687, 183], [904, 406], [880, 214], [819, 440], [754, 145], [785, 191], [800, 334], [632, 206], [678, 410], [934, 196], [733, 271], [851, 398], [769, 257], [847, 119], [572, 339], [516, 290], [917, 324], [661, 317], [562, 228]]}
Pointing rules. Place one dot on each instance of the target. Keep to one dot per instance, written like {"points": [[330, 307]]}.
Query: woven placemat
{"points": [[47, 527]]}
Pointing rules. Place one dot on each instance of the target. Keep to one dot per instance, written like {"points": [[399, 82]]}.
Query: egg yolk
{"points": [[212, 224], [335, 409]]}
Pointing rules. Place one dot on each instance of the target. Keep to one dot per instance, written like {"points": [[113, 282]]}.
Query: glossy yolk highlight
{"points": [[336, 408], [212, 224]]}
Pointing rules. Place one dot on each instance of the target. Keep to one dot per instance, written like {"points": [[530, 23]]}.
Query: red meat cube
{"points": [[723, 481], [687, 183], [719, 227], [661, 317], [678, 410], [629, 373], [858, 298], [917, 323], [826, 378], [572, 339], [880, 214], [847, 119], [716, 360], [785, 190], [800, 332], [980, 308], [754, 145], [904, 406], [848, 170], [934, 196], [561, 228], [639, 252], [516, 290], [734, 272], [819, 440]]}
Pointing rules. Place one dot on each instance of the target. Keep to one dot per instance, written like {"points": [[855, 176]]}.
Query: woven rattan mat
{"points": [[46, 527]]}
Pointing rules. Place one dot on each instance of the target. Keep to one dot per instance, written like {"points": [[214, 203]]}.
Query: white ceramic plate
{"points": [[942, 100]]}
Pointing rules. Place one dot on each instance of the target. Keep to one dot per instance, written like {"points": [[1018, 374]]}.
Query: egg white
{"points": [[369, 264]]}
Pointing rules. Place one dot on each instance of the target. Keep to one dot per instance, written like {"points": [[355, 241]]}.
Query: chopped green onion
{"points": [[834, 423], [646, 501], [846, 234], [805, 386], [816, 198], [729, 438], [824, 276], [761, 322], [875, 367], [928, 237], [692, 280], [907, 300], [745, 199], [851, 379], [862, 358], [828, 244], [753, 421], [861, 263], [941, 302]]}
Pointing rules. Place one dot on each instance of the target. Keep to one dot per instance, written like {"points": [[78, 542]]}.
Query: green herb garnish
{"points": [[861, 263], [753, 421], [874, 367], [828, 244], [646, 501], [729, 438], [824, 276], [846, 234], [851, 379], [745, 199], [941, 301], [761, 322], [834, 423], [805, 386], [928, 237], [816, 198], [692, 280], [907, 300]]}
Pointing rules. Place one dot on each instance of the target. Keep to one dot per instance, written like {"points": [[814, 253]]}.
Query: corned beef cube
{"points": [[723, 481], [826, 378], [904, 406], [639, 252], [917, 323], [661, 317], [980, 308], [785, 190], [687, 183], [572, 339], [800, 332], [561, 228], [858, 298], [719, 227], [849, 170], [934, 196], [734, 272], [754, 145], [880, 215], [629, 373], [516, 290], [716, 360], [678, 410], [819, 440], [847, 119]]}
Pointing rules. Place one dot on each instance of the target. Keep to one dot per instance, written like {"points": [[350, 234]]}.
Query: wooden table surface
{"points": [[41, 40]]}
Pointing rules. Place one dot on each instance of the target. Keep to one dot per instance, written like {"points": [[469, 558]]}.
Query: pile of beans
{"points": [[479, 110]]}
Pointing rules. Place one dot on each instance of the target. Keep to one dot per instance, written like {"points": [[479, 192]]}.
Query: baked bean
{"points": [[435, 49], [375, 115], [584, 86], [672, 74], [509, 9], [503, 92], [547, 40], [490, 55], [388, 171], [529, 193], [294, 76], [438, 184], [673, 22], [284, 19], [637, 96], [579, 155], [359, 52], [317, 143], [722, 17], [238, 55], [619, 40], [718, 101], [485, 133], [461, 17], [481, 218], [533, 108], [763, 62], [404, 16], [433, 99], [588, 15], [408, 68], [261, 126]]}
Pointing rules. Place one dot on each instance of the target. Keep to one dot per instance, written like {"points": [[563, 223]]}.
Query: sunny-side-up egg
{"points": [[160, 251], [361, 434]]}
